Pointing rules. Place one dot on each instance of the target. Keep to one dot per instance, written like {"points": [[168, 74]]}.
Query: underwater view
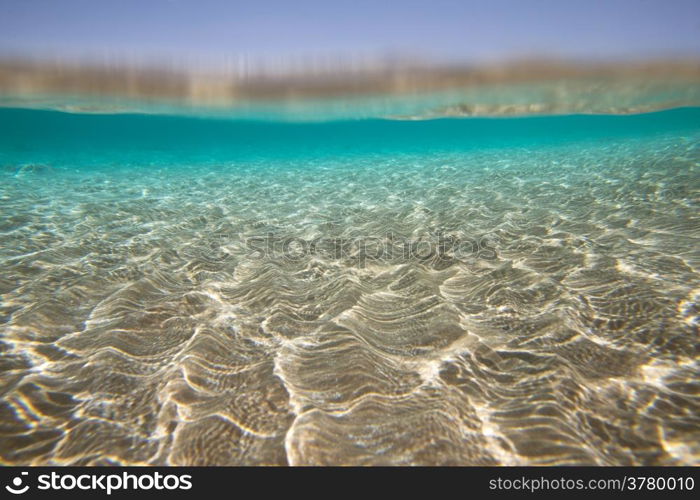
{"points": [[207, 290], [343, 234]]}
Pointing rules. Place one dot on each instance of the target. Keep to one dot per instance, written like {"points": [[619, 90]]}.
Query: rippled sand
{"points": [[138, 327]]}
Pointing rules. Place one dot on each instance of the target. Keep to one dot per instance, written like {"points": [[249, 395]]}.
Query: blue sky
{"points": [[212, 30]]}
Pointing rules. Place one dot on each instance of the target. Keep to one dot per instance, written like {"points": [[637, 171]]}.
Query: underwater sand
{"points": [[184, 291]]}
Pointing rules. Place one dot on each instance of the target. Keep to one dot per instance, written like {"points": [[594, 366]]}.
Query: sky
{"points": [[466, 30]]}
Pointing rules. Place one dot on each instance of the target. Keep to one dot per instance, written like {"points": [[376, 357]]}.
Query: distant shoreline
{"points": [[515, 89]]}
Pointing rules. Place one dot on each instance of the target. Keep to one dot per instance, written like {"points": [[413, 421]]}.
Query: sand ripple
{"points": [[140, 326]]}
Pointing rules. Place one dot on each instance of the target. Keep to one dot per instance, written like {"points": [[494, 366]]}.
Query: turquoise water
{"points": [[83, 139], [191, 290]]}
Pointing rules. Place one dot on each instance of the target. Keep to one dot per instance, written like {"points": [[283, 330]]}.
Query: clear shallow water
{"points": [[463, 291]]}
